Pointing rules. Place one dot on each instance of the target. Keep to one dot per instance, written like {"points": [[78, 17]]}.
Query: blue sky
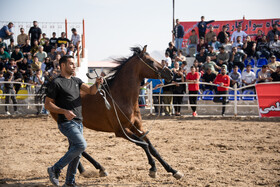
{"points": [[113, 26]]}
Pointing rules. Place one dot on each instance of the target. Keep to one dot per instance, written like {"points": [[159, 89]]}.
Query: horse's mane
{"points": [[121, 62]]}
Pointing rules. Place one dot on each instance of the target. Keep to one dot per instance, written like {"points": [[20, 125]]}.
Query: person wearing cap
{"points": [[4, 54], [272, 66], [237, 33], [223, 34], [209, 36], [271, 33], [222, 80], [276, 75], [202, 26], [6, 31], [22, 37], [9, 87], [17, 55], [178, 33], [35, 33]]}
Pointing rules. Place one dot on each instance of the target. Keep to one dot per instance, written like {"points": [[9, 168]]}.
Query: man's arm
{"points": [[92, 90], [50, 105]]}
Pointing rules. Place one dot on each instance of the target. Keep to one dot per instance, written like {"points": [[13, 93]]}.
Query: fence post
{"points": [[151, 97], [235, 99]]}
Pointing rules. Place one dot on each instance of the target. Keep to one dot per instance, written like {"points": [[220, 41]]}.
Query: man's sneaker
{"points": [[7, 113], [53, 176], [223, 115], [70, 185], [16, 112], [194, 114]]}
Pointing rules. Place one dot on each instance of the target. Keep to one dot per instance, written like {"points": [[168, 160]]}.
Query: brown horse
{"points": [[122, 93]]}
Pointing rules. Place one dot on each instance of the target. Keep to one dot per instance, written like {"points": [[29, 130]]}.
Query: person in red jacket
{"points": [[193, 79], [222, 80]]}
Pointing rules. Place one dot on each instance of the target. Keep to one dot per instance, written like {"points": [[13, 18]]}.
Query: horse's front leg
{"points": [[168, 168]]}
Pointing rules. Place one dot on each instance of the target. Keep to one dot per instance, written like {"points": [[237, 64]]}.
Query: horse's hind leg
{"points": [[167, 167], [102, 171]]}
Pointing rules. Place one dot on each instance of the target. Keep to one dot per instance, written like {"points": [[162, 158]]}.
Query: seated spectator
{"points": [[41, 54], [53, 40], [17, 78], [2, 78], [227, 45], [43, 39], [201, 57], [201, 44], [237, 33], [71, 51], [208, 77], [172, 51], [210, 65], [272, 33], [176, 67], [262, 49], [4, 54], [196, 65], [180, 57], [178, 89], [26, 48], [222, 57], [235, 77], [6, 31], [237, 59], [56, 62], [274, 46], [17, 55], [215, 44], [192, 42], [211, 53], [276, 75], [259, 36], [168, 59], [2, 65], [249, 47], [47, 46], [11, 46], [238, 44], [61, 50], [248, 77], [272, 66], [23, 66], [35, 48], [264, 75], [29, 59], [184, 67], [76, 38], [210, 34], [52, 54], [36, 65], [223, 34], [4, 45], [49, 65], [21, 38], [63, 40]]}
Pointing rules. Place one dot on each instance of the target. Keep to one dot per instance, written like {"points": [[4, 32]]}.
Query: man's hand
{"points": [[69, 114], [99, 80]]}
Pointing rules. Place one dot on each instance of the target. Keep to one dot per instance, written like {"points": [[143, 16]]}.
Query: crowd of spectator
{"points": [[219, 59], [34, 59]]}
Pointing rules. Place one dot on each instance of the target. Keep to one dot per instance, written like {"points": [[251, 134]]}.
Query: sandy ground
{"points": [[210, 152]]}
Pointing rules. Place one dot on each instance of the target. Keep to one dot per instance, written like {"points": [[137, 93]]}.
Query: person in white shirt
{"points": [[168, 59], [248, 77], [237, 33], [76, 38]]}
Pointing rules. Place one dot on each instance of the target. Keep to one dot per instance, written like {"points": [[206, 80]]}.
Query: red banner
{"points": [[269, 99], [251, 27]]}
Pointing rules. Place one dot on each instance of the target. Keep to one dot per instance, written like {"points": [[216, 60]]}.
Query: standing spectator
{"points": [[208, 77], [2, 78], [273, 64], [178, 33], [276, 75], [202, 25], [235, 77], [192, 42], [215, 44], [17, 55], [237, 33], [210, 34], [223, 58], [9, 89], [272, 33], [6, 31], [43, 39], [274, 46], [156, 90], [63, 40], [22, 37], [35, 33], [167, 99], [237, 58], [53, 40], [263, 48], [223, 34], [222, 80], [249, 47], [11, 46], [201, 57], [76, 38], [26, 48], [4, 54], [248, 77], [172, 51], [52, 54], [41, 54], [178, 89], [227, 45], [201, 44], [264, 75], [193, 79], [168, 59]]}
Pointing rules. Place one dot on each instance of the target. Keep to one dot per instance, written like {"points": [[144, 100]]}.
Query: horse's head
{"points": [[150, 67]]}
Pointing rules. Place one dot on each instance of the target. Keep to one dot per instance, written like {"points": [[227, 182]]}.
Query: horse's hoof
{"points": [[178, 175], [103, 173], [153, 174]]}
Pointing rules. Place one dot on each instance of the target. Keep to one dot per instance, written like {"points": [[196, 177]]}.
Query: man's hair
{"points": [[184, 62], [53, 33], [17, 47], [264, 66], [193, 30], [64, 59], [235, 66], [192, 67], [10, 23], [167, 53], [12, 59], [202, 17], [73, 30], [248, 65]]}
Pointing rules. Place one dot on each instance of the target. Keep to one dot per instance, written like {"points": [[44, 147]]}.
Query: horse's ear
{"points": [[144, 50]]}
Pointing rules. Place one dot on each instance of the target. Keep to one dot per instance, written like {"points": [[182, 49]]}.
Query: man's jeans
{"points": [[77, 144], [178, 43]]}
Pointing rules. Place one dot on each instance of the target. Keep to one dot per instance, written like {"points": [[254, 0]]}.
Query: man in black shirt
{"points": [[276, 75], [63, 40], [223, 34], [171, 50], [208, 77], [53, 40], [63, 98], [35, 33]]}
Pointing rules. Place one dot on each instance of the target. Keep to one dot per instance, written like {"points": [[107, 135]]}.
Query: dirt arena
{"points": [[209, 152]]}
